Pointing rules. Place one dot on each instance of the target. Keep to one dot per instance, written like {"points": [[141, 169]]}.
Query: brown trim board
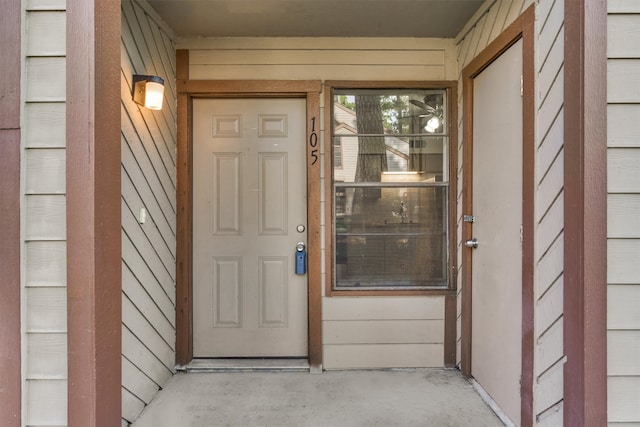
{"points": [[10, 333], [521, 28], [188, 89], [94, 259], [585, 213]]}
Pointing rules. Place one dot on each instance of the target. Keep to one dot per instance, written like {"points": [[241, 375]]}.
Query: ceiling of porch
{"points": [[316, 18]]}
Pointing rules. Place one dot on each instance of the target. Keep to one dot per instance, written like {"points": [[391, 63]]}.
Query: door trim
{"points": [[187, 90], [521, 29]]}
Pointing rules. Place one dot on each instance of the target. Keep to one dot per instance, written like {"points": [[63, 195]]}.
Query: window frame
{"points": [[450, 87]]}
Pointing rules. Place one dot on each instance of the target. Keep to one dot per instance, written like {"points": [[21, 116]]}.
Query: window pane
{"points": [[405, 159], [389, 111], [390, 237]]}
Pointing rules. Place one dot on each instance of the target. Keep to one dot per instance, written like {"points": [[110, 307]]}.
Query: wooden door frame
{"points": [[187, 91], [521, 29]]}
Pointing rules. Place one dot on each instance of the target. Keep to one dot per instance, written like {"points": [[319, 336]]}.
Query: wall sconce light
{"points": [[148, 91]]}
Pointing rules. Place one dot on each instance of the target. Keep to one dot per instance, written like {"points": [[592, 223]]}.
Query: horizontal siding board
{"points": [[383, 308], [623, 80], [623, 265], [46, 33], [623, 398], [315, 57], [372, 356], [315, 43], [623, 6], [46, 309], [623, 216], [45, 217], [383, 332], [623, 170], [552, 417], [623, 125], [46, 4], [623, 353], [46, 79], [622, 307], [623, 36], [46, 403], [46, 356], [45, 125], [45, 171], [324, 72], [46, 263]]}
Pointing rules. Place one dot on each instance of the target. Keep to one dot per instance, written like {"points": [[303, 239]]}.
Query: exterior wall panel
{"points": [[44, 229], [346, 59], [623, 186], [148, 182]]}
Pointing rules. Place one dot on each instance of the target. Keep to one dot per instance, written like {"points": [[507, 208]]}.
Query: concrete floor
{"points": [[422, 397]]}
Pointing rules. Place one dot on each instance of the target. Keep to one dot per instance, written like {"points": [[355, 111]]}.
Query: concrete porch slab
{"points": [[421, 397]]}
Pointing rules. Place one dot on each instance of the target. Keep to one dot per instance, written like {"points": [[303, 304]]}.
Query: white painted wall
{"points": [[358, 332], [623, 231], [148, 182], [44, 214]]}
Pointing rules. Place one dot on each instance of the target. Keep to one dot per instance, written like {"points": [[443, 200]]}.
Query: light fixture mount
{"points": [[148, 91]]}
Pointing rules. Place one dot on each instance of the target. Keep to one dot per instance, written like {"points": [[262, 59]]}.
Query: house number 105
{"points": [[313, 141]]}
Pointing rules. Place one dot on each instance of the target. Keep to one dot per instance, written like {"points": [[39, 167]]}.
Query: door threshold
{"points": [[246, 365]]}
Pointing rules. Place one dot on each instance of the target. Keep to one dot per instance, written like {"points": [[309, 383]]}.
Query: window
{"points": [[390, 189]]}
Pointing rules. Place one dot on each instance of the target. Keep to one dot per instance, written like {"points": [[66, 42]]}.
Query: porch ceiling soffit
{"points": [[316, 18]]}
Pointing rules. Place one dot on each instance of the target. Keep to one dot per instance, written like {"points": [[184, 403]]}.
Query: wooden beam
{"points": [[585, 212], [94, 279], [10, 333]]}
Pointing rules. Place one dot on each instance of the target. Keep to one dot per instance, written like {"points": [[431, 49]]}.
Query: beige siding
{"points": [[623, 183], [358, 332], [148, 182], [374, 332], [44, 217]]}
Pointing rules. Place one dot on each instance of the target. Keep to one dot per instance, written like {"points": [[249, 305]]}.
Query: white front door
{"points": [[497, 207], [249, 212]]}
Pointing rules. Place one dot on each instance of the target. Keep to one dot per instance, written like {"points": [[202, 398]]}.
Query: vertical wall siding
{"points": [[44, 232], [623, 182], [362, 332], [549, 56], [148, 182]]}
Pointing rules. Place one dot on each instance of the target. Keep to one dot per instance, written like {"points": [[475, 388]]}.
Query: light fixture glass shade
{"points": [[148, 91], [154, 93], [432, 124]]}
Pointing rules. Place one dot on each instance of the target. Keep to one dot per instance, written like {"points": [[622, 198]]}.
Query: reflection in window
{"points": [[390, 188]]}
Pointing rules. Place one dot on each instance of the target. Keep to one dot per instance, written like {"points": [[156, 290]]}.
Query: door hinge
{"points": [[469, 218], [521, 86]]}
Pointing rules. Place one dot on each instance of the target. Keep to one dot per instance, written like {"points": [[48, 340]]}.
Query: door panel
{"points": [[249, 188], [497, 207]]}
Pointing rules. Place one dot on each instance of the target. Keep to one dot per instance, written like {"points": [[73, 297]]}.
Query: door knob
{"points": [[473, 243]]}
